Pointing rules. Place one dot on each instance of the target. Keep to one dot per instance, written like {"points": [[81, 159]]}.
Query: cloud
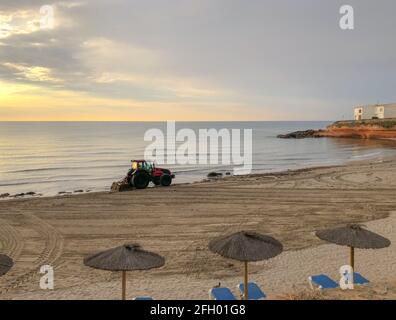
{"points": [[32, 73], [19, 22], [277, 58]]}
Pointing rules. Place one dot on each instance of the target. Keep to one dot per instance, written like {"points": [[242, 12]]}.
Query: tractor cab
{"points": [[143, 165]]}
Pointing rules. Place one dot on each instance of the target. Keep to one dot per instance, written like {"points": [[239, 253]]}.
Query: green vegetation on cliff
{"points": [[384, 123]]}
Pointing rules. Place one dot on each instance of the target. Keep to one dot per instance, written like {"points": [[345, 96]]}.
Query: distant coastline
{"points": [[362, 129]]}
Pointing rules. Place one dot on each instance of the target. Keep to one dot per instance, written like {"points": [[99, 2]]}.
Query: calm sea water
{"points": [[51, 157]]}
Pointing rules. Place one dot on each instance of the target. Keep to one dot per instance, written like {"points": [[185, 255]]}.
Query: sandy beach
{"points": [[178, 222]]}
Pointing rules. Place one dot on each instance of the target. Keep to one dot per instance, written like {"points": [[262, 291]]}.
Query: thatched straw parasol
{"points": [[6, 264], [129, 257], [246, 247], [354, 236]]}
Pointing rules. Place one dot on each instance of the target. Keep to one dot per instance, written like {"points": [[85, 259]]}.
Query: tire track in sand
{"points": [[49, 255], [10, 239]]}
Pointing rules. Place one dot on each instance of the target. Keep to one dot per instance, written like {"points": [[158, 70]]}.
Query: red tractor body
{"points": [[142, 172]]}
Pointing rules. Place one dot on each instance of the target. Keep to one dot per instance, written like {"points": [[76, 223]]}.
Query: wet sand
{"points": [[178, 222]]}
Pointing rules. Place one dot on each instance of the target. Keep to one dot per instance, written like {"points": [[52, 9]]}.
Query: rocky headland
{"points": [[364, 129]]}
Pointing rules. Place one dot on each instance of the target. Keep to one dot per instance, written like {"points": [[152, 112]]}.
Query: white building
{"points": [[376, 111]]}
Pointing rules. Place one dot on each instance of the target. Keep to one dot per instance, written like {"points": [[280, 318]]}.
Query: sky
{"points": [[195, 60]]}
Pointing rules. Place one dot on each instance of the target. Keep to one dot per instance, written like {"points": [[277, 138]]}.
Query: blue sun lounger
{"points": [[143, 298], [359, 279], [254, 291], [221, 294], [324, 282]]}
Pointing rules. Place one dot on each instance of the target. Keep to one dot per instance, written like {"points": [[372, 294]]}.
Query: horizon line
{"points": [[10, 121]]}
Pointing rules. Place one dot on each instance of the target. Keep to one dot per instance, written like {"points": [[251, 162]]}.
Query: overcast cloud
{"points": [[283, 58]]}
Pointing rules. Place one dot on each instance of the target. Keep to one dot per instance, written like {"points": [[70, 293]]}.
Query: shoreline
{"points": [[64, 194]]}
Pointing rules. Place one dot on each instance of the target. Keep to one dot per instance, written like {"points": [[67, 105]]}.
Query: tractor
{"points": [[142, 172]]}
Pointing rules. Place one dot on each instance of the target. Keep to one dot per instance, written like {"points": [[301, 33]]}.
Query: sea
{"points": [[49, 158]]}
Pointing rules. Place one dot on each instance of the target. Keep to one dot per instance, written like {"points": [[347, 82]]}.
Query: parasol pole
{"points": [[123, 285], [352, 263]]}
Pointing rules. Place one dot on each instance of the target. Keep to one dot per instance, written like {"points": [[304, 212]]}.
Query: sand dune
{"points": [[178, 222]]}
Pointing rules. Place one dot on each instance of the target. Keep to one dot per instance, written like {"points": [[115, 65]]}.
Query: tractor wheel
{"points": [[157, 181], [140, 180], [166, 180]]}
